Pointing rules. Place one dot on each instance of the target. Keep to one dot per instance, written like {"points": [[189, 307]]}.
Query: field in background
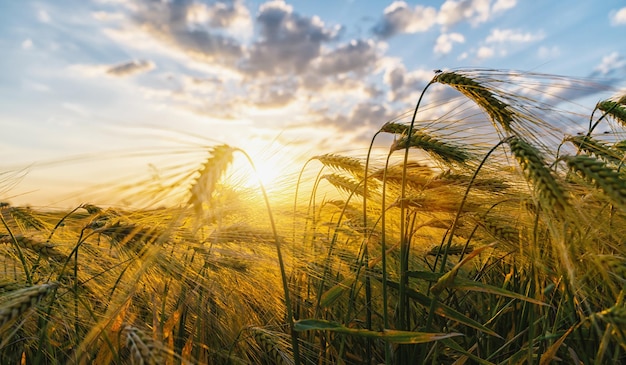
{"points": [[490, 231]]}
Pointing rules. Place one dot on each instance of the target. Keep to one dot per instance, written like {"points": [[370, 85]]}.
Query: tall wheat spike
{"points": [[496, 109], [346, 163], [395, 128], [17, 303], [601, 176], [538, 174]]}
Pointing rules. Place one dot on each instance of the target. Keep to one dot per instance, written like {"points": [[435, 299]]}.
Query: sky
{"points": [[94, 90]]}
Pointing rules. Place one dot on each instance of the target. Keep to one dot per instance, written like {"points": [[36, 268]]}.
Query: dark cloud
{"points": [[357, 56], [223, 14], [364, 114], [403, 85], [274, 93], [175, 23], [129, 68], [288, 42]]}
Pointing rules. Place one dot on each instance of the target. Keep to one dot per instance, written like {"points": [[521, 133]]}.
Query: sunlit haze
{"points": [[102, 91]]}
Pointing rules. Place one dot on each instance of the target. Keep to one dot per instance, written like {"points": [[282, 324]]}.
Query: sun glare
{"points": [[271, 170], [266, 173]]}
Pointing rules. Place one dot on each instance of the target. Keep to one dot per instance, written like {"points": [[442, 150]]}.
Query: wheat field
{"points": [[488, 229]]}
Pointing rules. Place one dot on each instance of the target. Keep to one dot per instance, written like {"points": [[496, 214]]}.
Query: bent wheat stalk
{"points": [[495, 108]]}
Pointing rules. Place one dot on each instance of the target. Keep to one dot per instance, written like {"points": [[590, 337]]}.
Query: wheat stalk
{"points": [[538, 173], [17, 303], [495, 108], [601, 176]]}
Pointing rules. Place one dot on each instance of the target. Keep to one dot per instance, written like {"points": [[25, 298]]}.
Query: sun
{"points": [[274, 171], [266, 173]]}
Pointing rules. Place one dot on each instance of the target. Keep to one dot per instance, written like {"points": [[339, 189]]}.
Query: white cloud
{"points": [[611, 63], [510, 35], [548, 52], [288, 42], [43, 16], [503, 5], [444, 42], [233, 17], [107, 16], [484, 53], [27, 44], [400, 18], [618, 17], [473, 11], [168, 22]]}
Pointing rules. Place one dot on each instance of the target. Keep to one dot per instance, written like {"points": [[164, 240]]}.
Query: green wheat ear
{"points": [[601, 176], [616, 109], [538, 174], [497, 110], [598, 148]]}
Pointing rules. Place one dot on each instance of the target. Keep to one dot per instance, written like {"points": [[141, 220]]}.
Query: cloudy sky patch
{"points": [[315, 73]]}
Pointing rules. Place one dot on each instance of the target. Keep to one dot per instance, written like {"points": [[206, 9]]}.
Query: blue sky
{"points": [[85, 81]]}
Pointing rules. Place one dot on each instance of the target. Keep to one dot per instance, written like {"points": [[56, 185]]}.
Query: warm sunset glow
{"points": [[267, 173], [312, 182]]}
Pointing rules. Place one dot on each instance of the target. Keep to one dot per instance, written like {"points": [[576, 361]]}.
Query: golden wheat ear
{"points": [[143, 349], [350, 164], [440, 150], [17, 303]]}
